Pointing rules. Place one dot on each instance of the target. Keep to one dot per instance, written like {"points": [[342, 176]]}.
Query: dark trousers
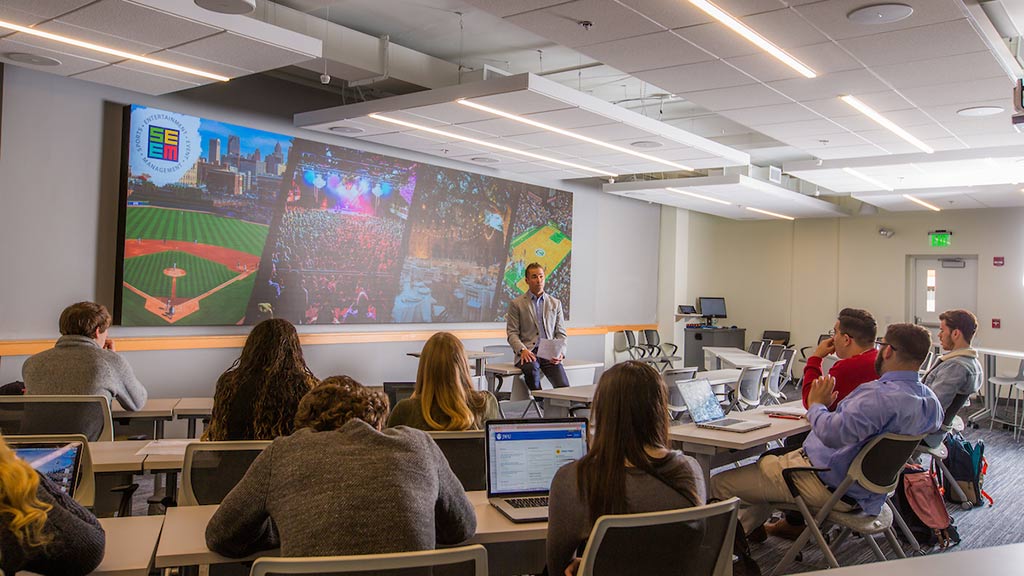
{"points": [[555, 373]]}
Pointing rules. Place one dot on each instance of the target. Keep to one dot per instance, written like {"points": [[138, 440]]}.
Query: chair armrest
{"points": [[674, 348], [787, 475]]}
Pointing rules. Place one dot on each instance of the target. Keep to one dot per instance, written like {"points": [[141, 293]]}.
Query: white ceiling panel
{"points": [[938, 71], [784, 28], [921, 43], [833, 107], [758, 115], [509, 7], [29, 12], [836, 84], [610, 21], [134, 80], [133, 22], [497, 127], [242, 52], [802, 128], [659, 50], [824, 59], [956, 92], [204, 64], [730, 99], [860, 151], [68, 64], [29, 40], [830, 16], [694, 77]]}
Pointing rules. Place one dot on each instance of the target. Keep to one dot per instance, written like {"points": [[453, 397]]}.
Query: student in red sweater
{"points": [[853, 340]]}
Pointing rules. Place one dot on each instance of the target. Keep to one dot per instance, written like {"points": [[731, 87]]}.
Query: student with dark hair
{"points": [[84, 361], [341, 485], [43, 530], [257, 397], [853, 340], [958, 371], [629, 468]]}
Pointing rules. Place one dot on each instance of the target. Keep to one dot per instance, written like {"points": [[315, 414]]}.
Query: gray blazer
{"points": [[521, 322]]}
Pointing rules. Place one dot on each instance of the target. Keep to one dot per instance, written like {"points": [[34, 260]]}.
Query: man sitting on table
{"points": [[958, 371], [531, 318], [895, 403], [83, 361]]}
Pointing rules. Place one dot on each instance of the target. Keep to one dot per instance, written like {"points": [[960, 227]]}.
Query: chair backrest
{"points": [[1020, 371], [928, 359], [774, 381], [878, 464], [629, 339], [397, 563], [212, 469], [466, 454], [58, 414], [776, 336], [787, 356], [755, 347], [85, 492], [748, 388], [673, 375], [958, 402], [397, 391], [774, 352], [507, 355], [652, 337], [701, 537]]}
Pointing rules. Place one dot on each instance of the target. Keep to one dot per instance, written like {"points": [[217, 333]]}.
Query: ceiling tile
{"points": [[61, 47], [242, 52], [755, 115], [805, 128], [849, 152], [134, 80], [29, 12], [203, 64], [858, 81], [823, 58], [956, 92], [509, 7], [659, 50], [938, 71], [133, 23], [932, 41], [833, 107], [695, 77], [68, 64], [731, 98], [830, 16], [559, 23]]}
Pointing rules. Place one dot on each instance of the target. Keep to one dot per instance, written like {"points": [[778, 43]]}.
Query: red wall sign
{"points": [[998, 261], [996, 323]]}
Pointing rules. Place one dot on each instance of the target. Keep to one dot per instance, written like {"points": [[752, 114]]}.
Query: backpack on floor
{"points": [[919, 502], [968, 466]]}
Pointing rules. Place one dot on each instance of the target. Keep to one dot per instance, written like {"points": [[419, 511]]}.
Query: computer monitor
{"points": [[711, 307]]}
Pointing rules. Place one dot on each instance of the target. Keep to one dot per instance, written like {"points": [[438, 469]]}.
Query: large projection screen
{"points": [[222, 224]]}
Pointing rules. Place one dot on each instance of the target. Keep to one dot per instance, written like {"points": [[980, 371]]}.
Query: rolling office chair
{"points": [[748, 388], [57, 414], [212, 469], [676, 405], [394, 564], [777, 337], [755, 347], [773, 352]]}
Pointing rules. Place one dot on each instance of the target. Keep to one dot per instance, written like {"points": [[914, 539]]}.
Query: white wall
{"points": [[59, 161]]}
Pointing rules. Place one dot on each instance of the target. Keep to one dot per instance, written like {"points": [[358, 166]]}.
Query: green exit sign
{"points": [[941, 239]]}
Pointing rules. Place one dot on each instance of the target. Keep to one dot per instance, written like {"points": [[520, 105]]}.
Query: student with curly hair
{"points": [[257, 397], [42, 529], [341, 485], [444, 397]]}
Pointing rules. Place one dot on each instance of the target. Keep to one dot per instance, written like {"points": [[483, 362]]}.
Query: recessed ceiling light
{"points": [[889, 125], [645, 144], [33, 59], [346, 130], [698, 196], [492, 145], [228, 6], [563, 132], [753, 37], [917, 200], [977, 111], [484, 159], [111, 51], [880, 14], [868, 179], [758, 210]]}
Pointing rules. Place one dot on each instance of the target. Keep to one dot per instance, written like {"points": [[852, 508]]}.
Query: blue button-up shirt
{"points": [[897, 402], [538, 310]]}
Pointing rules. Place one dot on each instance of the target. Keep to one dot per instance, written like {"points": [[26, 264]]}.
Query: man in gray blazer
{"points": [[525, 332]]}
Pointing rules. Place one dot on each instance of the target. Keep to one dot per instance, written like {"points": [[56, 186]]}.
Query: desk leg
{"points": [[191, 426], [990, 392], [705, 465], [556, 408], [159, 429]]}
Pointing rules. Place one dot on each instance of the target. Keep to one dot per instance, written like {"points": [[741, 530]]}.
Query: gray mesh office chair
{"points": [[690, 542], [748, 388], [773, 384], [212, 469], [876, 468], [787, 371], [755, 347], [465, 452], [773, 352], [58, 414], [473, 558], [676, 405]]}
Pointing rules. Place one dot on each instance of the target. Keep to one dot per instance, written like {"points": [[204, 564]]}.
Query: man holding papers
{"points": [[536, 332]]}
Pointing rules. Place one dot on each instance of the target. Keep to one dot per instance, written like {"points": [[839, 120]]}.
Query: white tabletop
{"points": [[510, 369], [998, 352], [572, 393], [736, 357], [131, 542], [153, 408], [956, 562], [723, 439], [193, 407]]}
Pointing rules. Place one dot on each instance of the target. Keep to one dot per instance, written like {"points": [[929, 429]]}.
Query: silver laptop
{"points": [[522, 458], [706, 412], [61, 462]]}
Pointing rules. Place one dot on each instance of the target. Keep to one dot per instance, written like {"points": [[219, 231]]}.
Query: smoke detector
{"points": [[228, 6]]}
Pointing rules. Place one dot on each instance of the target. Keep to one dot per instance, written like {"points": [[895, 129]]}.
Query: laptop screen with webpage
{"points": [[58, 461], [700, 400], [523, 455]]}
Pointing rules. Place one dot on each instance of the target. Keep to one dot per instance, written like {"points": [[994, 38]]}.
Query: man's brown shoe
{"points": [[782, 529]]}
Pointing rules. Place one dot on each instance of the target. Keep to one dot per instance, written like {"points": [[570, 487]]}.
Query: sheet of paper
{"points": [[164, 447], [786, 411], [548, 349]]}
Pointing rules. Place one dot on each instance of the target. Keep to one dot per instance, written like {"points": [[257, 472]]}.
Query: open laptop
{"points": [[706, 412], [522, 458], [61, 462]]}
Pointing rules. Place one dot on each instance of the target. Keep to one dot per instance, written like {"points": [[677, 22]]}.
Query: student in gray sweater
{"points": [[84, 361], [340, 485], [628, 469]]}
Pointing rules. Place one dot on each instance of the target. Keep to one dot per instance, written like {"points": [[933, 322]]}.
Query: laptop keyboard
{"points": [[533, 502]]}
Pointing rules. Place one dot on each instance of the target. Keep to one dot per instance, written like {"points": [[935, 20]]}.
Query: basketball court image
{"points": [[546, 245]]}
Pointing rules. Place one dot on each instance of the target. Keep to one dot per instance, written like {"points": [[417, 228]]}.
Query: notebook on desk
{"points": [[706, 412], [522, 458], [61, 462]]}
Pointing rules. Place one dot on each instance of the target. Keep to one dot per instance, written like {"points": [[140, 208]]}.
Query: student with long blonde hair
{"points": [[444, 397], [42, 529]]}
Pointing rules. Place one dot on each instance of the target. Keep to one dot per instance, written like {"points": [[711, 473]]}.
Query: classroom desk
{"points": [[193, 409], [157, 410], [989, 394], [714, 448], [183, 542], [131, 542], [118, 456], [717, 356], [558, 400], [579, 372], [956, 562]]}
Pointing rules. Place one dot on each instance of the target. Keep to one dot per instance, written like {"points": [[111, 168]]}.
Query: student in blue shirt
{"points": [[897, 402]]}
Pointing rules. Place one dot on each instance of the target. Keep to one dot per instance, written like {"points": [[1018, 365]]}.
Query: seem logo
{"points": [[163, 143]]}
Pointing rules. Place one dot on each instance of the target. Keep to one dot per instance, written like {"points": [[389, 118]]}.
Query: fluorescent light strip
{"points": [[867, 179], [490, 145], [922, 203], [700, 196], [783, 216], [587, 139], [886, 123], [754, 38], [111, 51]]}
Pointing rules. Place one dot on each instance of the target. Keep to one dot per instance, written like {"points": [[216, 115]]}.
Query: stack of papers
{"points": [[786, 411]]}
